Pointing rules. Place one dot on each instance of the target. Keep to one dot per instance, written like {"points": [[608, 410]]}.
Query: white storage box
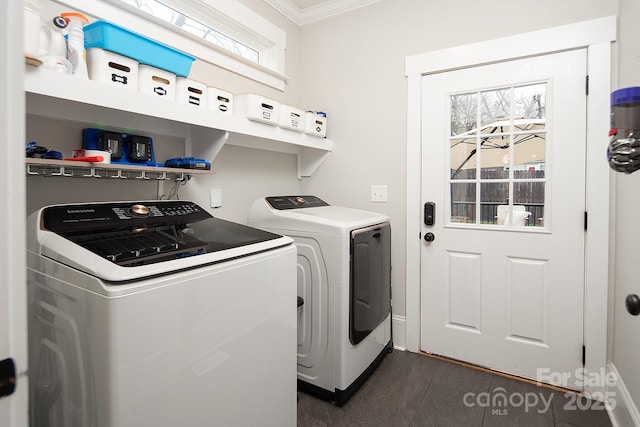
{"points": [[219, 100], [258, 108], [191, 92], [112, 69], [291, 118], [315, 125], [157, 82]]}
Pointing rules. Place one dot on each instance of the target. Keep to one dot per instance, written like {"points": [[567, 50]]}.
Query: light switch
{"points": [[216, 197]]}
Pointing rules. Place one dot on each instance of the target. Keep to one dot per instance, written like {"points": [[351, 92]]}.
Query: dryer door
{"points": [[370, 281]]}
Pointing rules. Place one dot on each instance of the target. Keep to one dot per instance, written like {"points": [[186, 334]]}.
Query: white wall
{"points": [[626, 328], [354, 68]]}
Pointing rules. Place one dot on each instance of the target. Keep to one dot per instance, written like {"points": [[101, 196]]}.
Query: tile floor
{"points": [[414, 390]]}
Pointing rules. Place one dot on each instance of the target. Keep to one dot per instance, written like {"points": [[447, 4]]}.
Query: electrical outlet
{"points": [[379, 193]]}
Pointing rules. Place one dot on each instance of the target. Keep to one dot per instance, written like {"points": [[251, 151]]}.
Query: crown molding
{"points": [[318, 12]]}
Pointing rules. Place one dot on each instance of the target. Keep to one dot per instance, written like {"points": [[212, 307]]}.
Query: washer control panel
{"points": [[95, 216], [295, 202]]}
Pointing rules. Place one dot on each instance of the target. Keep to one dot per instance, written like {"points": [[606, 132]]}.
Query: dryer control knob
{"points": [[139, 210]]}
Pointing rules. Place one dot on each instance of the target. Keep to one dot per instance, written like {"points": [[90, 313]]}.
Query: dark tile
{"points": [[317, 412], [579, 411], [460, 377], [410, 389], [309, 421], [391, 395], [443, 406], [401, 379], [525, 411], [373, 414], [510, 402], [540, 396]]}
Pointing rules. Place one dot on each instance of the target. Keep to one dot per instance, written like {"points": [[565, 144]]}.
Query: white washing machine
{"points": [[344, 279], [158, 314]]}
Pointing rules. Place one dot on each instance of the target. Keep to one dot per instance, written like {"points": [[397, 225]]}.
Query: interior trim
{"points": [[323, 10]]}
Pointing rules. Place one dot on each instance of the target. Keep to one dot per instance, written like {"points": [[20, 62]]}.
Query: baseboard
{"points": [[624, 412], [399, 325]]}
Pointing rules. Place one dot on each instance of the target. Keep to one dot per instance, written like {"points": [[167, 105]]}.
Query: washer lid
{"points": [[125, 241]]}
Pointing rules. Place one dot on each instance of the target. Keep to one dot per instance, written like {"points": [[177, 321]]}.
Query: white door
{"points": [[504, 165]]}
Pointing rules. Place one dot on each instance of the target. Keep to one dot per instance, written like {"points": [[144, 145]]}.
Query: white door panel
{"points": [[502, 283]]}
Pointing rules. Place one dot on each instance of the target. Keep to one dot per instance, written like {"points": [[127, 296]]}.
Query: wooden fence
{"points": [[530, 194]]}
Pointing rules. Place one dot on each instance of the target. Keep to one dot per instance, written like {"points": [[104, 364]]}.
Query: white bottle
{"points": [[75, 43], [32, 23], [52, 40]]}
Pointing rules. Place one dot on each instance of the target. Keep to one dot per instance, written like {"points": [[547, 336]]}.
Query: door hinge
{"points": [[584, 355], [586, 85], [586, 220]]}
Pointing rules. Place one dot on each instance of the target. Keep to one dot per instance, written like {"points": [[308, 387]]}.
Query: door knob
{"points": [[429, 237], [633, 304]]}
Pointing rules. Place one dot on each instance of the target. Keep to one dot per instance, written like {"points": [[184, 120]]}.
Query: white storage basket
{"points": [[219, 100], [191, 92], [112, 69], [156, 82], [257, 108], [315, 125], [291, 118]]}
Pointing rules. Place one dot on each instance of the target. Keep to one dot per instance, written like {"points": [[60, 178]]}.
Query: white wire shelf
{"points": [[74, 169]]}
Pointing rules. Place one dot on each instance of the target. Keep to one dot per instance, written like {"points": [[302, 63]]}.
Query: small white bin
{"points": [[191, 92], [156, 82], [291, 118], [219, 100], [112, 69], [315, 125], [257, 108]]}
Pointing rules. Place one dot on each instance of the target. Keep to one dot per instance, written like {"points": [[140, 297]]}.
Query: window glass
{"points": [[464, 113], [178, 19], [493, 195], [495, 104], [528, 155], [529, 102], [463, 202], [463, 158], [531, 196], [497, 146], [494, 161]]}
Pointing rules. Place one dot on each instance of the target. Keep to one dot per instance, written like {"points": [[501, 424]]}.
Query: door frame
{"points": [[594, 35], [13, 276]]}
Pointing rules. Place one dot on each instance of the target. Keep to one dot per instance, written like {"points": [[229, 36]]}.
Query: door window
{"points": [[497, 147]]}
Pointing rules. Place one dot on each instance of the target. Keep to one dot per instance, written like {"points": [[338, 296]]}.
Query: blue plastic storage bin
{"points": [[111, 37]]}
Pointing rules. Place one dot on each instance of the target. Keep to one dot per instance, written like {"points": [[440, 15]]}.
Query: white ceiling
{"points": [[306, 11]]}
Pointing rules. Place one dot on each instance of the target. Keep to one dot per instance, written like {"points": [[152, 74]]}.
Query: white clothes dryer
{"points": [[344, 278]]}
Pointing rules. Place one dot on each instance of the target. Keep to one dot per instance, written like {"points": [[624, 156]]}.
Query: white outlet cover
{"points": [[379, 193], [216, 197]]}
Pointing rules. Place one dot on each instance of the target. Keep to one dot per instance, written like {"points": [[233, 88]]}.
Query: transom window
{"points": [[225, 33], [497, 156], [193, 26]]}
